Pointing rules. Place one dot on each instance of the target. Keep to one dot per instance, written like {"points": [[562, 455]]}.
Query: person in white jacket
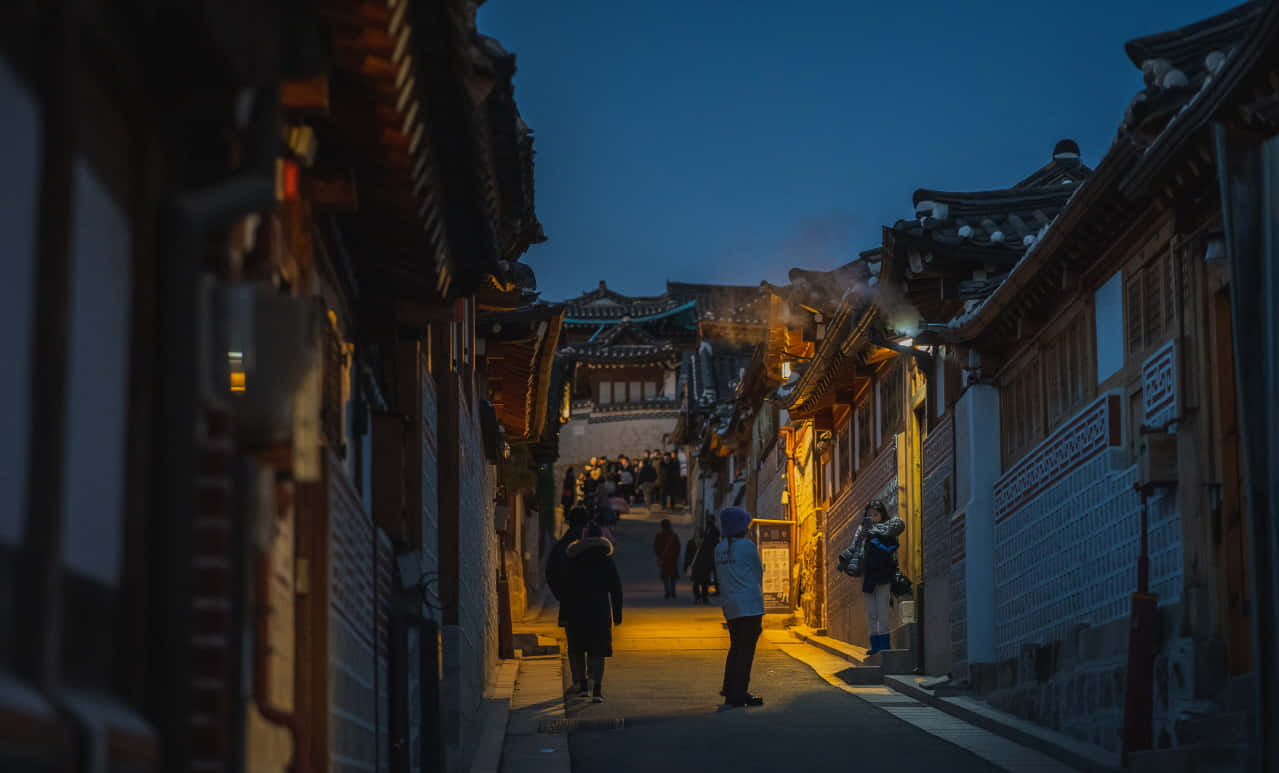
{"points": [[741, 584]]}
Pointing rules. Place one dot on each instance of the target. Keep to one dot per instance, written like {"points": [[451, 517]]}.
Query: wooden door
{"points": [[1234, 602]]}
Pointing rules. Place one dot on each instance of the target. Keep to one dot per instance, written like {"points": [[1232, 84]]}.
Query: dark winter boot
{"points": [[599, 694], [878, 643]]}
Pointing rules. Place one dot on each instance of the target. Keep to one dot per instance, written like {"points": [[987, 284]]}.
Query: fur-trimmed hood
{"points": [[581, 546]]}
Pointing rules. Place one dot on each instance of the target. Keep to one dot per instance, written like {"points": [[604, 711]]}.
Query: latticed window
{"points": [[1149, 305], [1066, 372], [890, 395], [865, 443], [844, 455], [1020, 420]]}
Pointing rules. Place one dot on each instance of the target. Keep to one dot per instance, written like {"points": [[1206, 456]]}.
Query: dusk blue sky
{"points": [[730, 141]]}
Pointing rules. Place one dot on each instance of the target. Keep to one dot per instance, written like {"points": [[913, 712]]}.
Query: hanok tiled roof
{"points": [[603, 304], [969, 238], [635, 354], [825, 290], [728, 303], [715, 372], [1178, 64]]}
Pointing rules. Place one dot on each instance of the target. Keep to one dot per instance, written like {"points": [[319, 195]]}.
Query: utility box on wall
{"points": [[1157, 460]]}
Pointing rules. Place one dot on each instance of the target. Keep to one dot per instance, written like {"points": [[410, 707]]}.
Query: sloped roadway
{"points": [[663, 683]]}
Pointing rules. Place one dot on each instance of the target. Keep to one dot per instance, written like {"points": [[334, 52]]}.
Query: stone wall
{"points": [[360, 561], [471, 646], [588, 434], [1076, 685]]}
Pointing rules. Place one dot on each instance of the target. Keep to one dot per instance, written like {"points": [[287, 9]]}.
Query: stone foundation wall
{"points": [[1077, 685], [587, 435]]}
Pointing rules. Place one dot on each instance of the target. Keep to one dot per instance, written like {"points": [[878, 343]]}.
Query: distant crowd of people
{"points": [[655, 480]]}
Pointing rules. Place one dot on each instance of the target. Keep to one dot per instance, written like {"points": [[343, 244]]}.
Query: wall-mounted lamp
{"points": [[786, 370]]}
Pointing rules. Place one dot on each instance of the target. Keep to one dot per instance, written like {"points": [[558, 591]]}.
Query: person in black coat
{"points": [[557, 578], [669, 476], [592, 605]]}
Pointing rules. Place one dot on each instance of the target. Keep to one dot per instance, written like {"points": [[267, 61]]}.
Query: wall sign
{"points": [[1091, 431], [1159, 386]]}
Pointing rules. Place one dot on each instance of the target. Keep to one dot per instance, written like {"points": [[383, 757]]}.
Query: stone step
{"points": [[861, 675], [1215, 758], [1227, 728], [903, 638], [893, 661], [534, 645]]}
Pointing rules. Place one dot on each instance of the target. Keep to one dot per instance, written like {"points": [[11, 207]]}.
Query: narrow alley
{"points": [[662, 709]]}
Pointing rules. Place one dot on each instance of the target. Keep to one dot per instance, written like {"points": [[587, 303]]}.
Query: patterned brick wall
{"points": [[938, 505], [958, 597], [1069, 555], [361, 563], [846, 613]]}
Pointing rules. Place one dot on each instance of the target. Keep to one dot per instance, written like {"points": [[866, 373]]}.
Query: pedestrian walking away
{"points": [[879, 569], [741, 576], [556, 563], [670, 481], [648, 481], [591, 606], [700, 566], [666, 547]]}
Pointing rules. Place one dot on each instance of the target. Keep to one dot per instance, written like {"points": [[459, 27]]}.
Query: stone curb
{"points": [[526, 747], [850, 652], [497, 712], [1047, 742]]}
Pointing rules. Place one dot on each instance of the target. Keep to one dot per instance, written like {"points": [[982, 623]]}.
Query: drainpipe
{"points": [[301, 762]]}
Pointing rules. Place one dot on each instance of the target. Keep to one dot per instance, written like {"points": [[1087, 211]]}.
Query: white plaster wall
{"points": [[20, 158], [977, 415], [98, 380], [1110, 326]]}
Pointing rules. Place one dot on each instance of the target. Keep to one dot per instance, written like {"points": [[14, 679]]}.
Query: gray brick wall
{"points": [[938, 505], [471, 654], [357, 656]]}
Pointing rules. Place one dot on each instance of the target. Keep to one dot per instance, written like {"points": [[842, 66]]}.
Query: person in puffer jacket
{"points": [[741, 583], [879, 569]]}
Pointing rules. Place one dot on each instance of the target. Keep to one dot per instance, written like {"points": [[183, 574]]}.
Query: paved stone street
{"points": [[664, 679]]}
